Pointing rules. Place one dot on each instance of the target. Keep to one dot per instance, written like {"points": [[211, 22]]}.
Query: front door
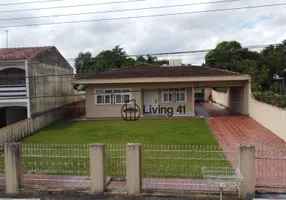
{"points": [[150, 99]]}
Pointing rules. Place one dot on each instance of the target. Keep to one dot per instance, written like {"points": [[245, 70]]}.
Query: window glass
{"points": [[118, 98], [126, 98], [117, 91], [170, 97], [126, 90], [108, 91], [182, 97], [99, 91], [166, 97], [107, 99], [100, 99]]}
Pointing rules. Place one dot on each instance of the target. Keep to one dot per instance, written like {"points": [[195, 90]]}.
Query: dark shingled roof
{"points": [[146, 71], [21, 53]]}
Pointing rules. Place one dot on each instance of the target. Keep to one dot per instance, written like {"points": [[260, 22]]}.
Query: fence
{"points": [[116, 161], [176, 168], [179, 167], [51, 162], [19, 130], [271, 168]]}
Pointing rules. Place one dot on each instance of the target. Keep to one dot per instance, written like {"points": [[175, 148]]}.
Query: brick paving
{"points": [[234, 130], [270, 157]]}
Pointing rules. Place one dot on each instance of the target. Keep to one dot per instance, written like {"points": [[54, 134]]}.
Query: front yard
{"points": [[173, 148], [171, 131]]}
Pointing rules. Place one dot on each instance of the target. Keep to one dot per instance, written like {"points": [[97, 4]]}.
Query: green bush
{"points": [[271, 98]]}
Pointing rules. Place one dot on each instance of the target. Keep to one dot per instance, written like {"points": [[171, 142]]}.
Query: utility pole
{"points": [[7, 39]]}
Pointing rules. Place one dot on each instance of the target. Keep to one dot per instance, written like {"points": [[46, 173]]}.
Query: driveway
{"points": [[270, 159], [211, 110], [233, 130]]}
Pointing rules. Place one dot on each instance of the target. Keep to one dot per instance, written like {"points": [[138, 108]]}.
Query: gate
{"points": [[270, 162]]}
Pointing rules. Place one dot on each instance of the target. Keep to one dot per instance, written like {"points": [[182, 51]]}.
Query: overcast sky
{"points": [[145, 35]]}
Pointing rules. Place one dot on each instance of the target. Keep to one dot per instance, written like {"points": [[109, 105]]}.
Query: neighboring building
{"points": [[155, 88], [32, 80]]}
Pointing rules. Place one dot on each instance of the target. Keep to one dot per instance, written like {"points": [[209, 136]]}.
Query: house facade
{"points": [[165, 90], [32, 81]]}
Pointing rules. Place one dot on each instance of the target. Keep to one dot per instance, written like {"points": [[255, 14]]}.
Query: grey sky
{"points": [[148, 35]]}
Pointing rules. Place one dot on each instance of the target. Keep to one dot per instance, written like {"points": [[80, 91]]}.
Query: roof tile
{"points": [[147, 70], [21, 53]]}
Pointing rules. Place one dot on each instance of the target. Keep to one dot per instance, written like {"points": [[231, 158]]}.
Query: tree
{"points": [[105, 60], [83, 63], [231, 56]]}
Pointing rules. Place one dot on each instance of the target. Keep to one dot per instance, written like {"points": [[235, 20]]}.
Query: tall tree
{"points": [[231, 56], [105, 60], [83, 63]]}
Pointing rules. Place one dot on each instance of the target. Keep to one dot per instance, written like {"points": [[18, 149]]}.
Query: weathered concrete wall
{"points": [[271, 117], [49, 82], [19, 130]]}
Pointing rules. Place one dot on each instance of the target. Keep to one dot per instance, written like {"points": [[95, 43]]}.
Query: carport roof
{"points": [[152, 71]]}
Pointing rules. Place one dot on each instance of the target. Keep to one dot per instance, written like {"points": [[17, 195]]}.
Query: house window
{"points": [[167, 97], [112, 96], [174, 95]]}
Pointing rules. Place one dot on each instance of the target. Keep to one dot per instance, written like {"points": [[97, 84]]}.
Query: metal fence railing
{"points": [[180, 166], [271, 167], [116, 161], [52, 162]]}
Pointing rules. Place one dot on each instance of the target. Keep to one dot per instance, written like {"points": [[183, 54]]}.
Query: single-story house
{"points": [[159, 89]]}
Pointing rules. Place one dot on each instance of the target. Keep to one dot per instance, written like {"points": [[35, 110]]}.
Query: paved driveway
{"points": [[234, 130], [211, 110]]}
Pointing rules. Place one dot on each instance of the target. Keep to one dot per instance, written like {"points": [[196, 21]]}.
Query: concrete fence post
{"points": [[133, 169], [13, 167], [97, 168], [246, 163]]}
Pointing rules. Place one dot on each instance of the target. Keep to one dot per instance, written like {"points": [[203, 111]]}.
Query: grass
{"points": [[178, 158], [172, 131]]}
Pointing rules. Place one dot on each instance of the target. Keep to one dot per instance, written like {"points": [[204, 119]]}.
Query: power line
{"points": [[71, 6], [145, 16], [120, 10], [28, 2]]}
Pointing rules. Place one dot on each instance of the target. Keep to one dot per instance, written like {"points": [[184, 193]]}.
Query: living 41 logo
{"points": [[159, 110]]}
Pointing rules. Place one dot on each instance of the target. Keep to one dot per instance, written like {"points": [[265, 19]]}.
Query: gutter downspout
{"points": [[28, 90]]}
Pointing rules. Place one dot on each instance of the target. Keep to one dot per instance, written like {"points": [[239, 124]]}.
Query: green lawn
{"points": [[171, 131], [174, 148]]}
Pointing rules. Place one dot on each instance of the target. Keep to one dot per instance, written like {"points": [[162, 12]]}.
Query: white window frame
{"points": [[182, 92], [168, 92], [112, 95], [174, 95]]}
